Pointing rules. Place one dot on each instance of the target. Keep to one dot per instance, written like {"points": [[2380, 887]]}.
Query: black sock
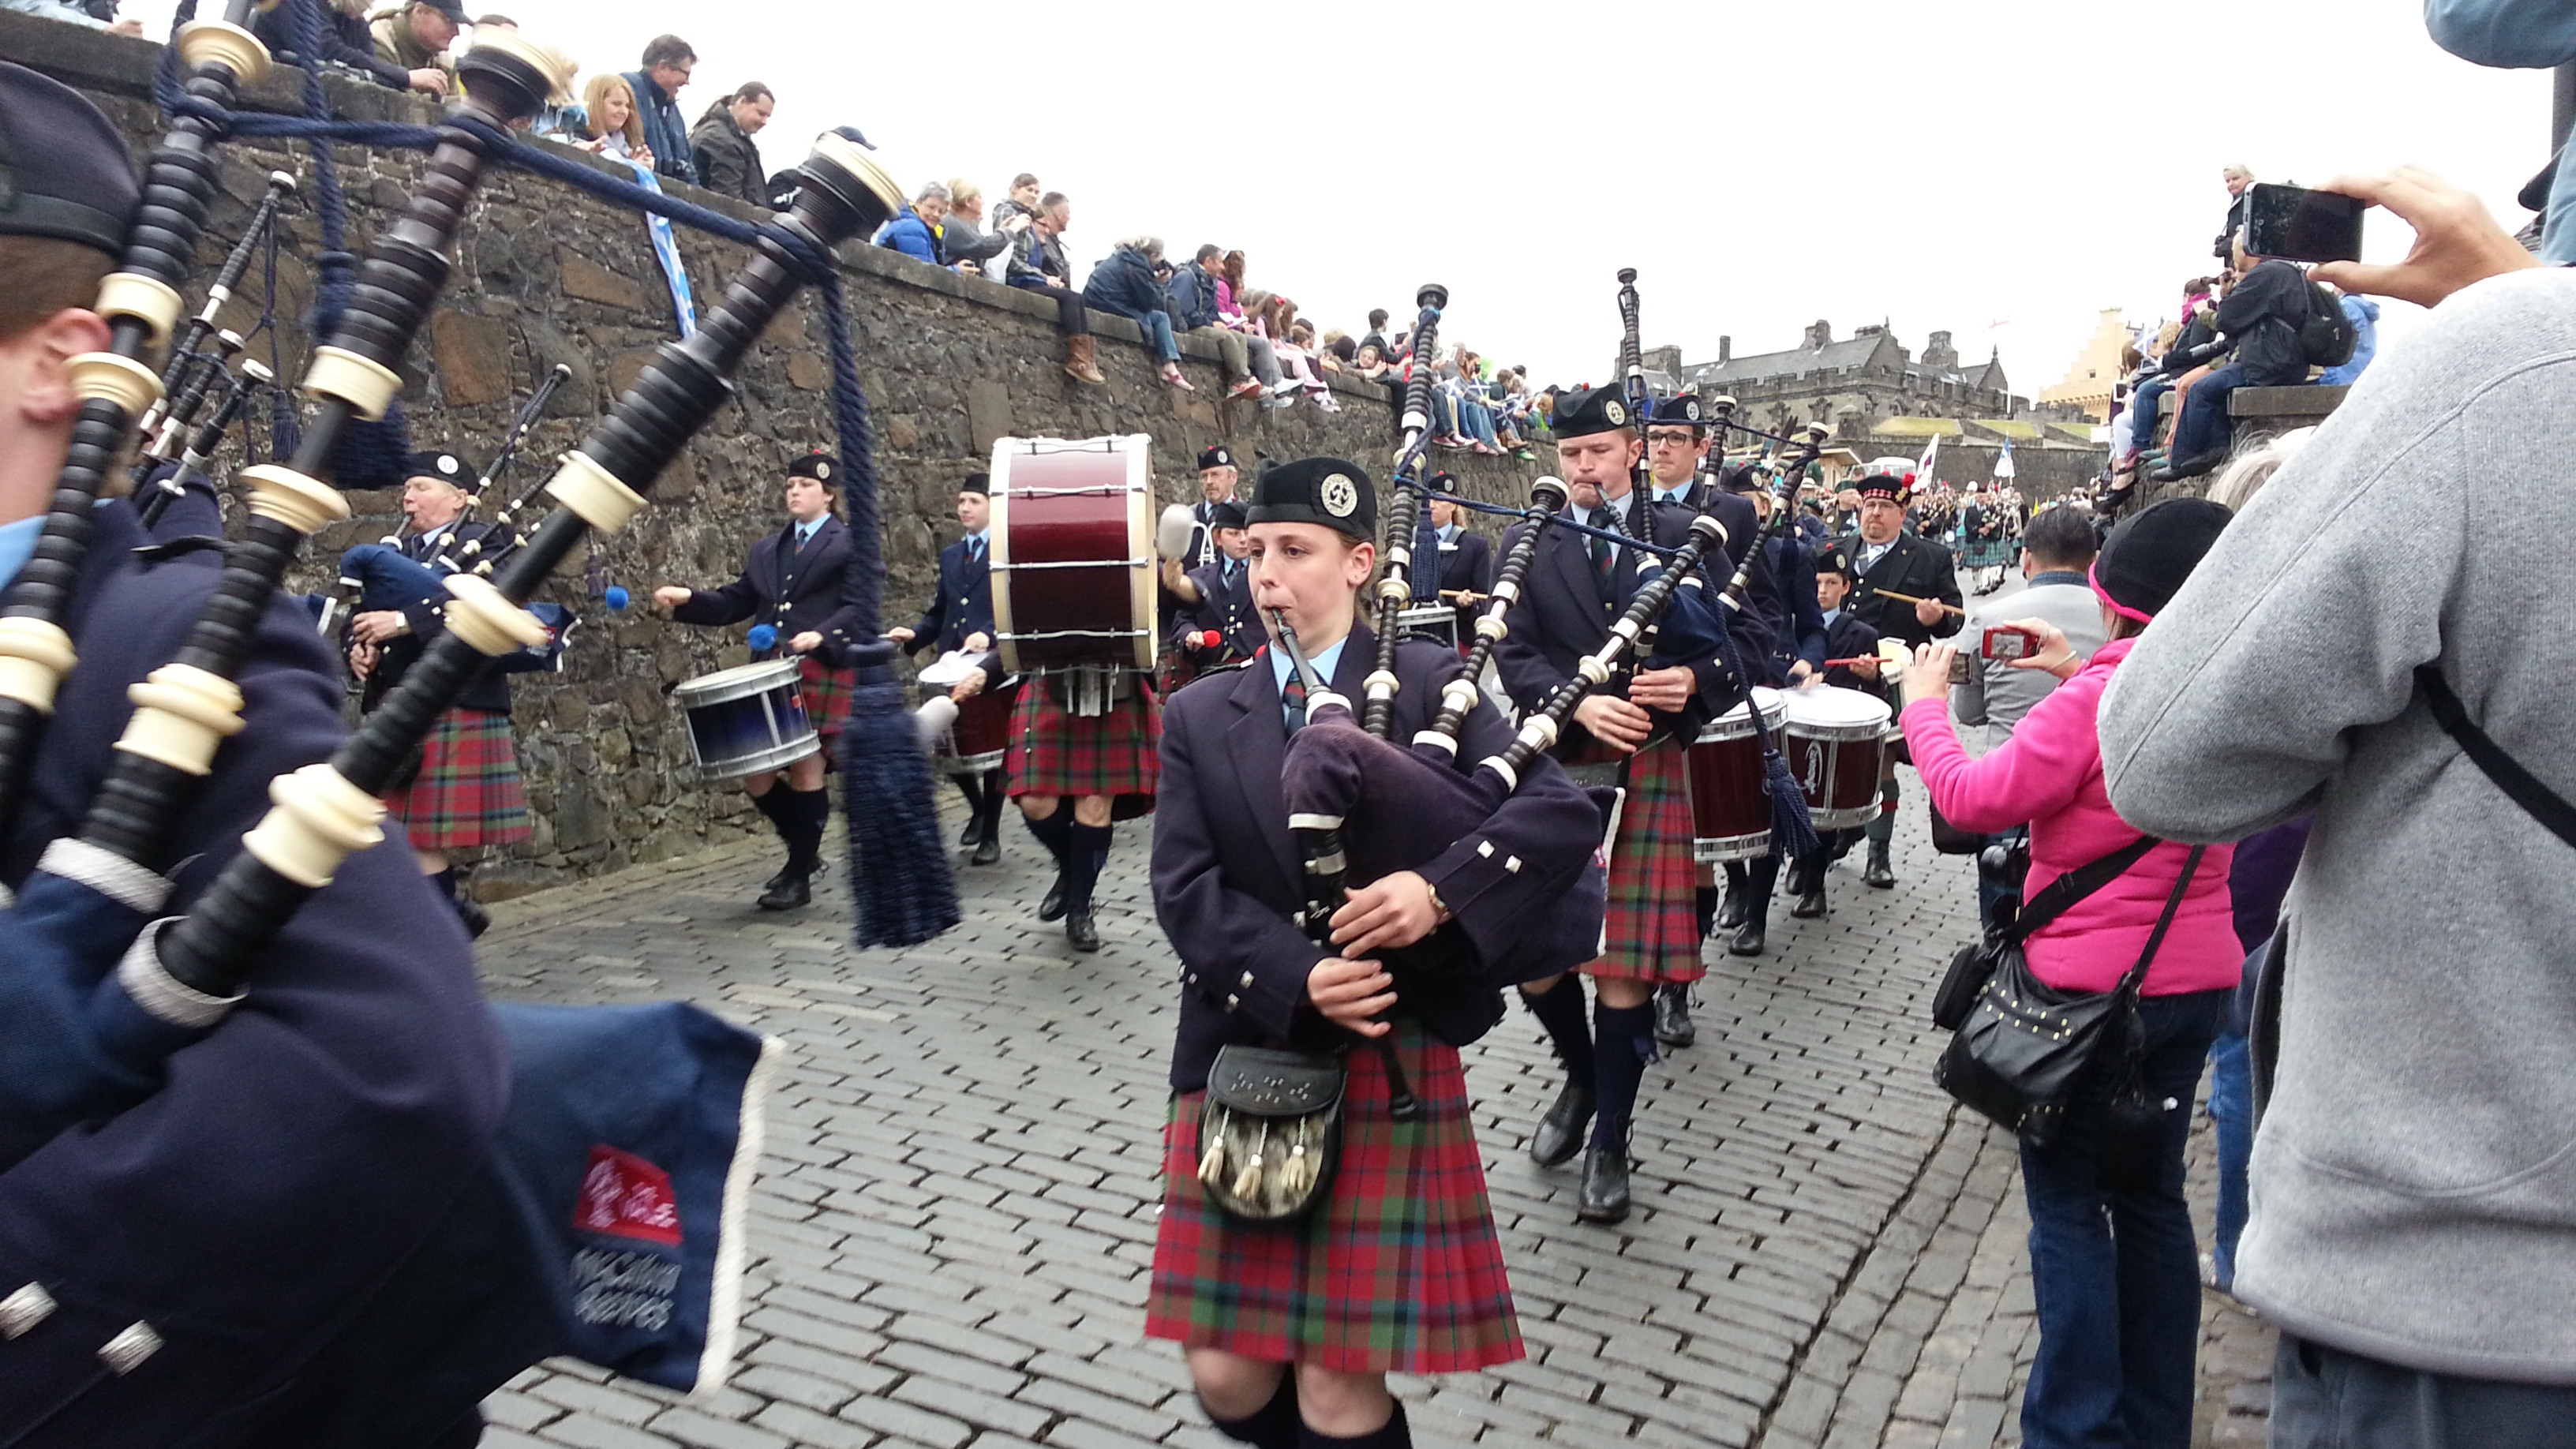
{"points": [[1085, 853], [801, 818], [1272, 1426], [1707, 903], [1882, 826], [1393, 1434], [771, 803], [1760, 875], [1624, 1041], [1055, 832], [445, 883], [1560, 1011], [972, 787]]}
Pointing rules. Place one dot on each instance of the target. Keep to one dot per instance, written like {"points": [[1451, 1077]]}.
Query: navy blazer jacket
{"points": [[1228, 882], [1848, 638], [1468, 563], [1228, 610], [1912, 565], [807, 594], [1559, 617], [490, 691], [295, 1155], [962, 604]]}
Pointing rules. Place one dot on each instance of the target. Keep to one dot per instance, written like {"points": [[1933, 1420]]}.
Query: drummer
{"points": [[1082, 756], [960, 619], [1887, 557], [1466, 558], [1846, 638], [1219, 593], [792, 581]]}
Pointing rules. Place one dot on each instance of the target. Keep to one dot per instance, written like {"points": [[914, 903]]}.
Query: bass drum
{"points": [[1073, 553], [1837, 742]]}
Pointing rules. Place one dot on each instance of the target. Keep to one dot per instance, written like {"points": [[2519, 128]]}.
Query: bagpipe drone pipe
{"points": [[1395, 586]]}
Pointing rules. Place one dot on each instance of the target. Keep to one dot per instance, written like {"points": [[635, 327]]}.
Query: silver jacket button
{"points": [[21, 1311], [126, 1352]]}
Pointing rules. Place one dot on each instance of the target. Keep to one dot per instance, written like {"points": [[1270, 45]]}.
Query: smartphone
{"points": [[1961, 668], [2007, 642], [2301, 225]]}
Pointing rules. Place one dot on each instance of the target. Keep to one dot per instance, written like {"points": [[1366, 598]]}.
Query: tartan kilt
{"points": [[1397, 1271], [1055, 752], [1651, 931], [467, 792], [827, 700]]}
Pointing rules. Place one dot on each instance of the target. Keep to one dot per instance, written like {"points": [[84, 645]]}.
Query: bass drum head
{"points": [[1031, 466]]}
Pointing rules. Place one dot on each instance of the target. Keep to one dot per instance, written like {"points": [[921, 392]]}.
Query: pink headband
{"points": [[2093, 576]]}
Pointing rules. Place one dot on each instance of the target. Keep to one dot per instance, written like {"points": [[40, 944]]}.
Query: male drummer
{"points": [[1847, 638], [1466, 559], [1677, 444], [960, 617], [1083, 755], [1219, 593], [1886, 555], [1218, 478], [1576, 587], [792, 581]]}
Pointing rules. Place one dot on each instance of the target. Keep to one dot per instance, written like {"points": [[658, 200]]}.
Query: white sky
{"points": [[2014, 162]]}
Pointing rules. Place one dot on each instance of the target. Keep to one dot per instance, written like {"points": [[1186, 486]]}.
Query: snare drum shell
{"points": [[1077, 565], [1730, 807], [1836, 747], [747, 720]]}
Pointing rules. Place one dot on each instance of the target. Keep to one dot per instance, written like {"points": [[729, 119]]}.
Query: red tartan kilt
{"points": [[467, 792], [1399, 1271], [1651, 930], [827, 699], [1117, 754]]}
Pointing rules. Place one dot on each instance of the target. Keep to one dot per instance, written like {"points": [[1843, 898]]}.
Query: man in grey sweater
{"points": [[2414, 1173]]}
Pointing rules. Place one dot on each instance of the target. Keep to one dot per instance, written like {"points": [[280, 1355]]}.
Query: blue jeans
{"points": [[2326, 1398], [1480, 422], [1158, 331], [2231, 1111], [2203, 425], [2115, 1274], [2142, 406]]}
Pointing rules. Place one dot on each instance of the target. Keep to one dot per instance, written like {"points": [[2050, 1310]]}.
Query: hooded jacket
{"points": [[728, 161], [910, 235], [1124, 283]]}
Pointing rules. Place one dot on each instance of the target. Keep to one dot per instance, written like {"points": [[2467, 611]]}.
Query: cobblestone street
{"points": [[954, 1223]]}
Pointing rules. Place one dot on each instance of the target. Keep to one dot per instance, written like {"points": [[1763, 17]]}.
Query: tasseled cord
{"points": [[1792, 833]]}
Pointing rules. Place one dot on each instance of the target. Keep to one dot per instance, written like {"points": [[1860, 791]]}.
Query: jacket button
{"points": [[126, 1352], [23, 1310], [1232, 1001], [1247, 981]]}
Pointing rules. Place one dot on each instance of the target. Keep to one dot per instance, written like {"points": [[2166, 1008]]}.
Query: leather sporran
{"points": [[1270, 1132]]}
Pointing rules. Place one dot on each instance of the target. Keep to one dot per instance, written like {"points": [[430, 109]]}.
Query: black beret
{"points": [[1226, 515], [447, 468], [820, 466], [1443, 481], [2145, 560], [1598, 410], [1333, 493], [979, 484], [1216, 455], [1742, 478], [1681, 409], [1834, 561], [64, 171]]}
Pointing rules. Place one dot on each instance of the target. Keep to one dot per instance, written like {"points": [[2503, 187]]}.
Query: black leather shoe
{"points": [[1810, 905], [1079, 931], [1560, 1132], [777, 879], [1672, 1016], [1604, 1198], [1730, 908], [1052, 908], [477, 920], [792, 890], [1748, 940], [988, 846], [1876, 875], [2188, 467], [973, 832]]}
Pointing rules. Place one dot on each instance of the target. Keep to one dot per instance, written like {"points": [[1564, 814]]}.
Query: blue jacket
{"points": [[1125, 284], [962, 605], [1228, 609], [1192, 296], [1797, 624], [797, 593], [910, 235], [2364, 315], [666, 131], [301, 1150], [2521, 34]]}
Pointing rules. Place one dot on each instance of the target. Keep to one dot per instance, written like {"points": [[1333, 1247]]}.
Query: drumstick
{"points": [[1911, 599]]}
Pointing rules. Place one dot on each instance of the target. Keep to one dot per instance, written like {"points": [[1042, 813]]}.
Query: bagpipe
{"points": [[607, 1220], [1395, 588]]}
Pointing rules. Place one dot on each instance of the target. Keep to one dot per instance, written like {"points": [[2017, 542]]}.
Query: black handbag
{"points": [[2026, 1047], [1270, 1132], [1949, 839], [1975, 963]]}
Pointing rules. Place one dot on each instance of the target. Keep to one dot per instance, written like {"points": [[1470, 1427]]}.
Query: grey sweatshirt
{"points": [[2414, 1177]]}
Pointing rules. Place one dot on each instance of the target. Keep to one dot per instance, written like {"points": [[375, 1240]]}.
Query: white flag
{"points": [[1923, 468]]}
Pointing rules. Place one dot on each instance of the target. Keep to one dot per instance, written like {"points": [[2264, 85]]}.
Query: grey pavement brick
{"points": [[804, 1427], [584, 1432], [704, 1431]]}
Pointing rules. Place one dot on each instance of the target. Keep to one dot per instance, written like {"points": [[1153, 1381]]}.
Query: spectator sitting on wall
{"points": [[1193, 293], [1125, 283], [2262, 316], [962, 238], [667, 65], [2363, 313], [1015, 213], [611, 125], [728, 160], [415, 38], [346, 42], [914, 231], [1038, 264]]}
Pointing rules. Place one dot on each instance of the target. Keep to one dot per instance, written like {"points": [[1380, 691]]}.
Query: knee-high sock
{"points": [[1561, 1012], [767, 802], [1624, 1041], [1393, 1434], [1272, 1426], [1760, 874], [1054, 832], [990, 814], [1706, 902], [801, 818], [1882, 826], [972, 787], [1085, 853]]}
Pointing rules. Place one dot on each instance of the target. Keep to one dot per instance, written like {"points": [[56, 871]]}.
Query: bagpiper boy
{"points": [[1578, 585], [795, 581], [960, 617], [1290, 1329]]}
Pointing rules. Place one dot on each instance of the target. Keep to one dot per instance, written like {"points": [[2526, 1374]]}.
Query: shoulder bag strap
{"points": [[2173, 903], [2542, 803], [2063, 892]]}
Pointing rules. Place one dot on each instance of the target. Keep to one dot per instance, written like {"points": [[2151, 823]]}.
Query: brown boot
{"points": [[1082, 360]]}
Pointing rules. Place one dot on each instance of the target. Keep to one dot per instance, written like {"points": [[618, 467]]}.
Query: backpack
{"points": [[2327, 336]]}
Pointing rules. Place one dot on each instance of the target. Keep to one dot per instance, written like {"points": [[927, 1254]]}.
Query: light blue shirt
{"points": [[977, 542], [805, 532], [1449, 532], [1325, 663], [1831, 615], [18, 544], [1671, 495]]}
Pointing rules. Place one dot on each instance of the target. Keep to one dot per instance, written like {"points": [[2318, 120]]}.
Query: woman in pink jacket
{"points": [[2115, 1274]]}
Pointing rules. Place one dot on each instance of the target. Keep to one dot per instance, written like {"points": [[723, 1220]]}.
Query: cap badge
{"points": [[822, 472], [1690, 409], [1615, 412], [1341, 497], [447, 464]]}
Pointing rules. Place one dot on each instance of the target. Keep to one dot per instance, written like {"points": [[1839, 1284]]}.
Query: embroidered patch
{"points": [[624, 1196], [1341, 497]]}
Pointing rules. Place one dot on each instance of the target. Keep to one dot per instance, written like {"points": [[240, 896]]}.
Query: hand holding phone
{"points": [[2302, 225], [2009, 641]]}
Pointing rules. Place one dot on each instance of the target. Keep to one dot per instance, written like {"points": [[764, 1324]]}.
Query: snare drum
{"points": [[1073, 553], [747, 720], [1730, 809], [1432, 621], [975, 742], [1836, 744]]}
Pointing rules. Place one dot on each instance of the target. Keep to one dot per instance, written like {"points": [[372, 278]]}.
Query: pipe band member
{"points": [[960, 617], [1466, 572], [1846, 637], [1218, 594], [1886, 554], [797, 581], [1578, 586], [1291, 1329], [1082, 757], [465, 792]]}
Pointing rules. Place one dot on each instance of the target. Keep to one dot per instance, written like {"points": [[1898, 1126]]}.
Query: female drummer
{"points": [[465, 794], [1291, 1329], [792, 581]]}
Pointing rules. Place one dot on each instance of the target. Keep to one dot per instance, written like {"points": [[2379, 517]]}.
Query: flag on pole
{"points": [[2003, 461], [1923, 467]]}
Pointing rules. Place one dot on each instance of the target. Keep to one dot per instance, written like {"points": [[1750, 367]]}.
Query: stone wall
{"points": [[546, 275]]}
